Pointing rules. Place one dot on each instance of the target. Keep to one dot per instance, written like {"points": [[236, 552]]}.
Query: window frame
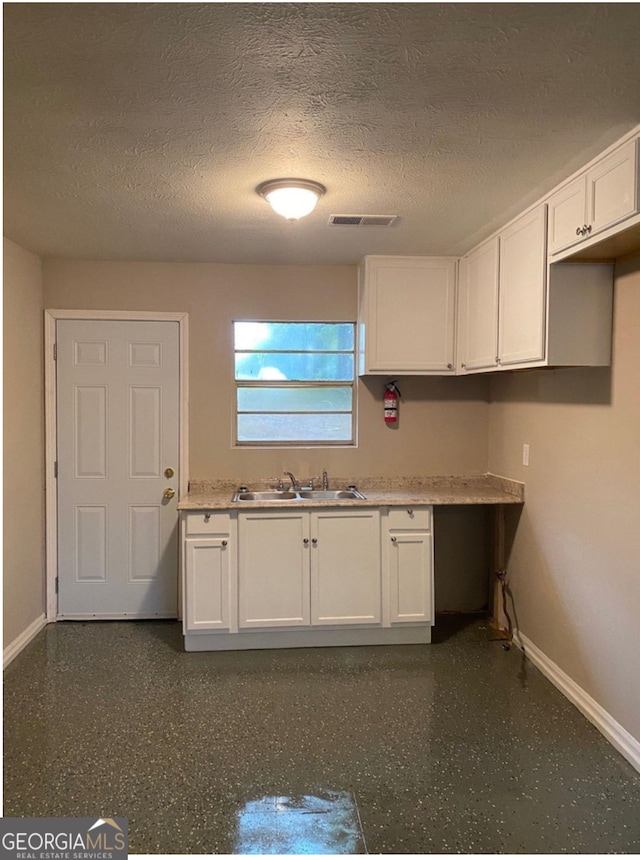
{"points": [[292, 384]]}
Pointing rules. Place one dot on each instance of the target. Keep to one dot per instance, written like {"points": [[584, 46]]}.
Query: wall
{"points": [[574, 567], [443, 422], [23, 573]]}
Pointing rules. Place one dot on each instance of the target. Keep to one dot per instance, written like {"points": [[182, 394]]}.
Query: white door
{"points": [[345, 567], [118, 420]]}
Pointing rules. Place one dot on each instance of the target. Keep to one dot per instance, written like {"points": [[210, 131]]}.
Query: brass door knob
{"points": [[169, 493]]}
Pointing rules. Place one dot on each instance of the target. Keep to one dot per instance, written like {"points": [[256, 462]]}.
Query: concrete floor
{"points": [[458, 746]]}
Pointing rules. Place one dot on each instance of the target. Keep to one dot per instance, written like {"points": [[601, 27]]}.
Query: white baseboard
{"points": [[619, 737], [14, 648]]}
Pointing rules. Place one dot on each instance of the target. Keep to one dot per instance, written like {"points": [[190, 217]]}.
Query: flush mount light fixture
{"points": [[291, 198]]}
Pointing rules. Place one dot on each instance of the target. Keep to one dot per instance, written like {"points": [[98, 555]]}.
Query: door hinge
{"points": [[55, 469], [55, 352], [56, 584]]}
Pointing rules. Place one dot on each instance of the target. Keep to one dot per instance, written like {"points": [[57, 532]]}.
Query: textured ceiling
{"points": [[138, 131]]}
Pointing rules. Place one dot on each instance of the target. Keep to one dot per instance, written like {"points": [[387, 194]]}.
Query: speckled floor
{"points": [[457, 746]]}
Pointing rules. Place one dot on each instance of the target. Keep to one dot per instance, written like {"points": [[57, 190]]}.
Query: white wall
{"points": [[574, 566], [23, 565]]}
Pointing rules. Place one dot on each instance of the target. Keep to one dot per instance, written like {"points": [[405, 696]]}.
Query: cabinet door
{"points": [[207, 573], [567, 215], [478, 308], [273, 569], [523, 266], [345, 567], [411, 577], [410, 315], [612, 188]]}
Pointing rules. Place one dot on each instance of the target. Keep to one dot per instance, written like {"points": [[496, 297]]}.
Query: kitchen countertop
{"points": [[378, 491]]}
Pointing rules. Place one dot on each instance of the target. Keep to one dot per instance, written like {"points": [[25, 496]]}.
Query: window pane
{"points": [[298, 336], [325, 399], [294, 428], [297, 366]]}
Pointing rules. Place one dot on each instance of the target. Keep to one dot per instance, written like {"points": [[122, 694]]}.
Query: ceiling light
{"points": [[291, 198]]}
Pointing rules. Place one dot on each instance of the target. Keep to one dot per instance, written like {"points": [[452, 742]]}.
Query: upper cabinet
{"points": [[406, 315], [478, 308], [604, 195], [523, 269], [502, 298]]}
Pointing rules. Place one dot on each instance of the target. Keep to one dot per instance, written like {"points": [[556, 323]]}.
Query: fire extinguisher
{"points": [[391, 397]]}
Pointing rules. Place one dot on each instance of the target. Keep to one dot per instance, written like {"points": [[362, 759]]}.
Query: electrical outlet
{"points": [[525, 455]]}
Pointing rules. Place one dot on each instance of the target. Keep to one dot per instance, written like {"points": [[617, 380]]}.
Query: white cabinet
{"points": [[345, 567], [478, 308], [523, 266], [273, 560], [406, 315], [300, 568], [502, 298], [409, 540], [602, 196], [208, 562], [207, 584]]}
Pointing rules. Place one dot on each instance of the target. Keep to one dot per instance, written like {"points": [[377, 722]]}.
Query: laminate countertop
{"points": [[378, 491]]}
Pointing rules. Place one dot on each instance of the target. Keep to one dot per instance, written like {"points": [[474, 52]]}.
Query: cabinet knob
{"points": [[450, 366], [463, 365], [305, 541], [394, 540], [410, 511], [207, 517], [578, 231], [314, 541], [588, 228], [224, 543]]}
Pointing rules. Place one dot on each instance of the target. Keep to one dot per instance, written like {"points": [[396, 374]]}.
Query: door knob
{"points": [[169, 493]]}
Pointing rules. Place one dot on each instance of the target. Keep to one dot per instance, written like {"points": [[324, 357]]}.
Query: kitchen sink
{"points": [[295, 496], [330, 494], [266, 496]]}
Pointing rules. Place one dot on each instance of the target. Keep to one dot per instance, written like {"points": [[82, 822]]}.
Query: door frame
{"points": [[51, 317]]}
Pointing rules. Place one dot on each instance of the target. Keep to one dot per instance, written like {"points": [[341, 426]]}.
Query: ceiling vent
{"points": [[363, 220]]}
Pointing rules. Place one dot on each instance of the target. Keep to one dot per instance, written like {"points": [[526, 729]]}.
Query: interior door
{"points": [[117, 431]]}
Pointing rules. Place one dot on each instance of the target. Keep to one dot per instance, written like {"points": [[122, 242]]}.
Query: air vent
{"points": [[362, 220]]}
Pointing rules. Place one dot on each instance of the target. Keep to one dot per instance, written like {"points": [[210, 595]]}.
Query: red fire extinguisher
{"points": [[391, 397]]}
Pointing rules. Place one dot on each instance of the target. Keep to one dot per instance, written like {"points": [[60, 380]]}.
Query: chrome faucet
{"points": [[325, 480], [294, 482]]}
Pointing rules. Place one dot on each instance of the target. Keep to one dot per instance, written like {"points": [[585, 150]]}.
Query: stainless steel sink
{"points": [[330, 494], [265, 496], [297, 496]]}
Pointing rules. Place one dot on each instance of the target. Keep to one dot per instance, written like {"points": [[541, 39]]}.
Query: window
{"points": [[294, 383]]}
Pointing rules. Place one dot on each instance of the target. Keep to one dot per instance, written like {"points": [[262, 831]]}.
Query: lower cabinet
{"points": [[345, 567], [410, 560], [301, 567], [208, 563], [273, 561], [264, 576]]}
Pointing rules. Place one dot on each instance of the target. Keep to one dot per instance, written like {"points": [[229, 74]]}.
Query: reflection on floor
{"points": [[454, 747], [325, 824]]}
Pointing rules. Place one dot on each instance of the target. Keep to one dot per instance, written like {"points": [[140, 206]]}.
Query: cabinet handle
{"points": [[314, 541], [305, 541], [224, 543]]}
